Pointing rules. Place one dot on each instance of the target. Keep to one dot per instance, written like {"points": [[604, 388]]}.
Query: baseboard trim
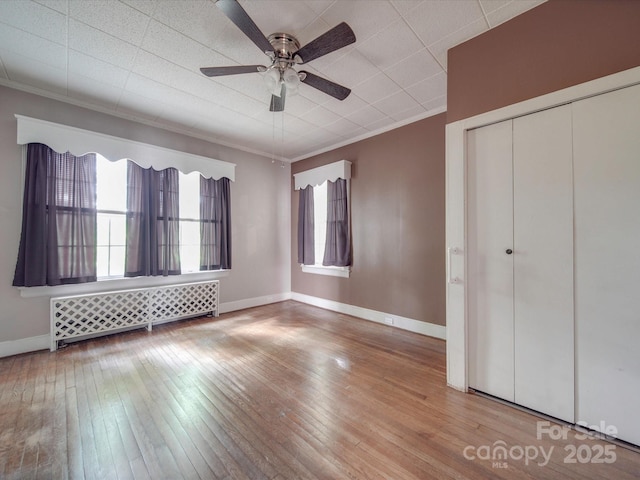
{"points": [[24, 345], [416, 326], [253, 302]]}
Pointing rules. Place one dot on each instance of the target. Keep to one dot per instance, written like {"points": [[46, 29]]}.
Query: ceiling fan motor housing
{"points": [[284, 47]]}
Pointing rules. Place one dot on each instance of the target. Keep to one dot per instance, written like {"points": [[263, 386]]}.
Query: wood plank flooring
{"points": [[284, 391]]}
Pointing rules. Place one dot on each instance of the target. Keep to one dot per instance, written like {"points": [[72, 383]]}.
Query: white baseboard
{"points": [[24, 345], [416, 326], [253, 302], [42, 342]]}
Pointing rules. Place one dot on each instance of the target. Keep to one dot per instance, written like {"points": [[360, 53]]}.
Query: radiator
{"points": [[79, 316]]}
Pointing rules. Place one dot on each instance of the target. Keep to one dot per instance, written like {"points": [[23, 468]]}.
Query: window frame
{"points": [[315, 177]]}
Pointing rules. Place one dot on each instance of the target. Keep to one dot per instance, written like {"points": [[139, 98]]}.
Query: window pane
{"points": [[116, 263], [112, 184], [190, 195], [320, 220], [102, 262], [190, 246], [118, 229], [103, 228]]}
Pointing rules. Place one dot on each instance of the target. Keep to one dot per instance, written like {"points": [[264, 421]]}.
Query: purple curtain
{"points": [[337, 249], [306, 244], [153, 226], [215, 224], [58, 238]]}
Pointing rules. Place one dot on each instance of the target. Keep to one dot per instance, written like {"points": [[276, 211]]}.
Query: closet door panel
{"points": [[543, 262], [607, 223], [490, 269]]}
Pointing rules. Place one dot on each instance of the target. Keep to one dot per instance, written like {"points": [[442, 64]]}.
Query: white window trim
{"points": [[319, 175], [63, 138], [112, 284], [344, 272]]}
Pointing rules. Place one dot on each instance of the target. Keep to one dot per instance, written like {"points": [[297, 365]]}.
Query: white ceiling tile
{"points": [[414, 68], [320, 116], [296, 126], [365, 17], [409, 113], [395, 103], [93, 91], [249, 84], [345, 127], [392, 44], [380, 124], [490, 5], [405, 6], [57, 5], [440, 48], [435, 19], [511, 10], [145, 6], [95, 43], [93, 69], [114, 18], [347, 106], [139, 106], [366, 115], [436, 103], [35, 19], [376, 88], [429, 88], [280, 16], [299, 105], [34, 73], [31, 46], [319, 6], [351, 69], [180, 49]]}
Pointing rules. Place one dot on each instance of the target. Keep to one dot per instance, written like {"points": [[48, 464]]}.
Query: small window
{"points": [[325, 191]]}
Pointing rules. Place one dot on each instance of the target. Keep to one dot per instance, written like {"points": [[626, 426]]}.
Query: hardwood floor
{"points": [[285, 391]]}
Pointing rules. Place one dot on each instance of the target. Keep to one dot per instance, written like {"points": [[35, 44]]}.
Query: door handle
{"points": [[508, 251]]}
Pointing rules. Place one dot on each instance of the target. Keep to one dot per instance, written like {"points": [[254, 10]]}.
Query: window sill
{"points": [[112, 284], [344, 272]]}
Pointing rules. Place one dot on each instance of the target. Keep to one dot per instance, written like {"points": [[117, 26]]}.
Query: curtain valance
{"points": [[63, 138], [317, 176]]}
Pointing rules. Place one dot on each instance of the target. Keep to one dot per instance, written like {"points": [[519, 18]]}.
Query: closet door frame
{"points": [[456, 207]]}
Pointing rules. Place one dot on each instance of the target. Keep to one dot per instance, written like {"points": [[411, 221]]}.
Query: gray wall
{"points": [[397, 202], [260, 208]]}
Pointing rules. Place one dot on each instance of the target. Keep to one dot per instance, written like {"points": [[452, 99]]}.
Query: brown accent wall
{"points": [[556, 45], [397, 201]]}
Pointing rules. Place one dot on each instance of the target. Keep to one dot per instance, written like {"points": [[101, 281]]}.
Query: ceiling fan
{"points": [[284, 52]]}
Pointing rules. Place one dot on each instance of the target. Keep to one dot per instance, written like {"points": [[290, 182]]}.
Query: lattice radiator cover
{"points": [[81, 315]]}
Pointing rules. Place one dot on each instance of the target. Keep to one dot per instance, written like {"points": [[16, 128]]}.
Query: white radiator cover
{"points": [[83, 315]]}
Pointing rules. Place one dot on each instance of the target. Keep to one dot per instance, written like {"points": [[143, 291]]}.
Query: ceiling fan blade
{"points": [[277, 103], [233, 70], [326, 86], [234, 11], [334, 39]]}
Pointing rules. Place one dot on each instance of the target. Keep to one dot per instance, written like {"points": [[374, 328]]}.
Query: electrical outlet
{"points": [[388, 320]]}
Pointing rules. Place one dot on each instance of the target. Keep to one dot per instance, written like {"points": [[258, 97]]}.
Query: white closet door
{"points": [[490, 268], [607, 216], [543, 262]]}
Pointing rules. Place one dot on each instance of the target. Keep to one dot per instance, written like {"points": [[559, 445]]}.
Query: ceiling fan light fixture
{"points": [[291, 80], [272, 81]]}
